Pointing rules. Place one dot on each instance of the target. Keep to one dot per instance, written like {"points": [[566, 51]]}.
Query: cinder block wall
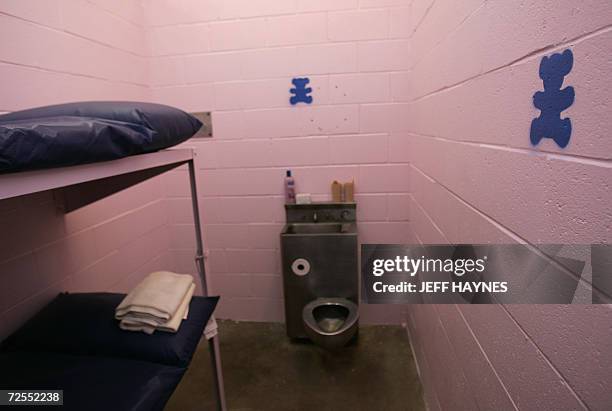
{"points": [[237, 59], [476, 178], [446, 87], [60, 51]]}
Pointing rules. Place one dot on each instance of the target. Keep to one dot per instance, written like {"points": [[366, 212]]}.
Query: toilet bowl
{"points": [[330, 322]]}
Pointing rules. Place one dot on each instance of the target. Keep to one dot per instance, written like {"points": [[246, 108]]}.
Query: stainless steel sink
{"points": [[318, 228]]}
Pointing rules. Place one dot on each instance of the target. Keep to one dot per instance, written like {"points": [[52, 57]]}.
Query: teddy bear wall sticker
{"points": [[553, 100]]}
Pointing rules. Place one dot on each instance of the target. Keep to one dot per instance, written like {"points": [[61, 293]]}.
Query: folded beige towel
{"points": [[148, 319], [134, 322], [157, 297], [136, 326], [174, 323]]}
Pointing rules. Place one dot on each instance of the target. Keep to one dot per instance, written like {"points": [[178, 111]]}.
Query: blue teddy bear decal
{"points": [[553, 100], [300, 91]]}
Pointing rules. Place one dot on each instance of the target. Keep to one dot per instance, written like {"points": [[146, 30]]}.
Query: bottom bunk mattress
{"points": [[85, 324], [75, 344], [91, 383]]}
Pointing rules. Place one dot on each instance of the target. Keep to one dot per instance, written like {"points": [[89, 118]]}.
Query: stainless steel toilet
{"points": [[330, 322], [319, 247]]}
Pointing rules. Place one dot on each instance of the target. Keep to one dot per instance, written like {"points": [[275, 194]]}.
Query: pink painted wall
{"points": [[66, 50], [56, 51], [476, 178], [237, 59], [426, 104]]}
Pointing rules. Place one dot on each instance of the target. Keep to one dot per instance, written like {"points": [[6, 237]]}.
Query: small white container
{"points": [[303, 198]]}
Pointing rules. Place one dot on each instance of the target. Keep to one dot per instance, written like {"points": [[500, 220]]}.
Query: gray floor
{"points": [[264, 370]]}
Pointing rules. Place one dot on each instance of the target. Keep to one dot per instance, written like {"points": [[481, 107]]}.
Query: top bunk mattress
{"points": [[85, 132]]}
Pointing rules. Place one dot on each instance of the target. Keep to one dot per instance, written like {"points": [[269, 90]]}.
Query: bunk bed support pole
{"points": [[213, 343]]}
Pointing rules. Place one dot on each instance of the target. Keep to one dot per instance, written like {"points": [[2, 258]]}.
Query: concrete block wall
{"points": [[237, 58], [66, 50], [56, 51], [426, 104], [476, 178]]}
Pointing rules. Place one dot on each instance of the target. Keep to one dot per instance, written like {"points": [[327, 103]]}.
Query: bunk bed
{"points": [[104, 367]]}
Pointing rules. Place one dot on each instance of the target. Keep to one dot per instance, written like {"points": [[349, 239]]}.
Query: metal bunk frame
{"points": [[77, 186]]}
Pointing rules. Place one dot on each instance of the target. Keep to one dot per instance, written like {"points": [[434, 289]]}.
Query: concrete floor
{"points": [[264, 370]]}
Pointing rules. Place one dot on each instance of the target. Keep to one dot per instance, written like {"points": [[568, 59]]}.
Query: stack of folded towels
{"points": [[159, 302]]}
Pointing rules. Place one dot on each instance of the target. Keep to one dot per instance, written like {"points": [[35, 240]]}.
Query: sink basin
{"points": [[317, 228]]}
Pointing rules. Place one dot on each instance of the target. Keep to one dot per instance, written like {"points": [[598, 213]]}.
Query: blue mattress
{"points": [[84, 132], [85, 324], [75, 344], [91, 383]]}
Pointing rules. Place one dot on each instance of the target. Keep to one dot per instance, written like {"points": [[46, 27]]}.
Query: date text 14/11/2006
{"points": [[442, 286]]}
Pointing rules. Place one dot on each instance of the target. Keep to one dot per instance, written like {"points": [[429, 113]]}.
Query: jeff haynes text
{"points": [[442, 286]]}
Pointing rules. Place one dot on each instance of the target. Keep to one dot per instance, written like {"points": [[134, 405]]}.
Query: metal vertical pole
{"points": [[213, 343]]}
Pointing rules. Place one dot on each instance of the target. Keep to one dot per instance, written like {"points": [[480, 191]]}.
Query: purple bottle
{"points": [[289, 189]]}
